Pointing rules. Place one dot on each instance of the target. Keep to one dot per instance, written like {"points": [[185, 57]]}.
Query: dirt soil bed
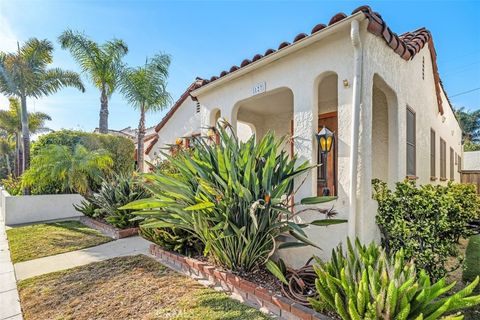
{"points": [[126, 288]]}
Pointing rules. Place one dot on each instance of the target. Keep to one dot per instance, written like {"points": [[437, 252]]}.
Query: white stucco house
{"points": [[379, 92]]}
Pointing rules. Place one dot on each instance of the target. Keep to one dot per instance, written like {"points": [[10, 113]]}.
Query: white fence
{"points": [[27, 209]]}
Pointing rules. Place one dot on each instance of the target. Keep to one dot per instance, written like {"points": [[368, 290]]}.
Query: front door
{"points": [[327, 172]]}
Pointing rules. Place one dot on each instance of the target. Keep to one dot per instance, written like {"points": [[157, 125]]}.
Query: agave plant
{"points": [[235, 197], [367, 284], [114, 193]]}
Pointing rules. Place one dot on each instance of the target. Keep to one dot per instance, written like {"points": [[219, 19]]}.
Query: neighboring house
{"points": [[379, 92], [471, 161]]}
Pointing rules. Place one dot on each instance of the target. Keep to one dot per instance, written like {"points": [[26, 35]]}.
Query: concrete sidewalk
{"points": [[118, 248], [9, 300]]}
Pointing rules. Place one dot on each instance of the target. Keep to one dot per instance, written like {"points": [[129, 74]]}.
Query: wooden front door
{"points": [[327, 174]]}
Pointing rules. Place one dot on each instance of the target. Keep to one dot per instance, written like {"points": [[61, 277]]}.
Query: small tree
{"points": [[101, 63], [75, 170], [10, 122], [145, 89], [24, 74]]}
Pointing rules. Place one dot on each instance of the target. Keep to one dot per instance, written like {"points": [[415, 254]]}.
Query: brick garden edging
{"points": [[109, 230], [240, 289]]}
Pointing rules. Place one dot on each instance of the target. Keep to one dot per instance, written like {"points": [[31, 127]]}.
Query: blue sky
{"points": [[205, 38]]}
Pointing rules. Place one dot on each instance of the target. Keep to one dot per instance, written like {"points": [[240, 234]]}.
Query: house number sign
{"points": [[259, 88]]}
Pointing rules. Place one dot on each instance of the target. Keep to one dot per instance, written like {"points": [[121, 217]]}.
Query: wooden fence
{"points": [[471, 176]]}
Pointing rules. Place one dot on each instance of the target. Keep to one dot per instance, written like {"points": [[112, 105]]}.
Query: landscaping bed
{"points": [[244, 290], [135, 287], [41, 240], [108, 229]]}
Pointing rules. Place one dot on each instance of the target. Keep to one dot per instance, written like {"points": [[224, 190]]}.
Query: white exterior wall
{"points": [[28, 209], [471, 160], [184, 121], [405, 78]]}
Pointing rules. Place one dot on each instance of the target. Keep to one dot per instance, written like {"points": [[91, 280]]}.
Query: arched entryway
{"points": [[327, 104]]}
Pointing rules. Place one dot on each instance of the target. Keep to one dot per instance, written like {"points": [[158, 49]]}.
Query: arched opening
{"points": [[384, 131], [214, 117], [245, 130], [270, 111], [327, 172]]}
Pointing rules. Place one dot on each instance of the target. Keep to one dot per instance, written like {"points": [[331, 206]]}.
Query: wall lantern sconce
{"points": [[346, 84], [325, 139]]}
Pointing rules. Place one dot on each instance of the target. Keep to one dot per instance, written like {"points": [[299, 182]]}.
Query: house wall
{"points": [[183, 122], [384, 67]]}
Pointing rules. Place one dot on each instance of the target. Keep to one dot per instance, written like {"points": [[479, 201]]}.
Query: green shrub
{"points": [[367, 284], [12, 185], [173, 239], [233, 196], [115, 193], [78, 170], [120, 149], [425, 221]]}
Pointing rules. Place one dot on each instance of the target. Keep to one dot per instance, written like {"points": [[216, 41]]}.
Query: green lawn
{"points": [[135, 287], [41, 240], [471, 271]]}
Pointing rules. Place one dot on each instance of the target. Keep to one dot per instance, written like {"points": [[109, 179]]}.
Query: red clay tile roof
{"points": [[406, 45]]}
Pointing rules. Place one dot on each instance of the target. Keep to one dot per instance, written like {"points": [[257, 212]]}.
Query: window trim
{"points": [[414, 144], [452, 164], [443, 160], [433, 151]]}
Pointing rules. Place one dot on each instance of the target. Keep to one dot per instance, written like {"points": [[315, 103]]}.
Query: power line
{"points": [[464, 92]]}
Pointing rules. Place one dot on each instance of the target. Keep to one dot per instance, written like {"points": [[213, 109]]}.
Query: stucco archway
{"points": [[270, 111], [384, 139]]}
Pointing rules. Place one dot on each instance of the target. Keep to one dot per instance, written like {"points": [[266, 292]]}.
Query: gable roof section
{"points": [[406, 45]]}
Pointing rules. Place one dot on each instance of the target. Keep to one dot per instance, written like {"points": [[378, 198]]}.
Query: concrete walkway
{"points": [[118, 248], [9, 300]]}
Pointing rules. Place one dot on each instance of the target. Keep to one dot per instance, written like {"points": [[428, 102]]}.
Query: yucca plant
{"points": [[367, 284], [235, 197], [114, 193]]}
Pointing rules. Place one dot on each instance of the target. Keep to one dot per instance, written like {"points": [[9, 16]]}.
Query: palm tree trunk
{"points": [[9, 168], [25, 138], [103, 124], [18, 155], [140, 143]]}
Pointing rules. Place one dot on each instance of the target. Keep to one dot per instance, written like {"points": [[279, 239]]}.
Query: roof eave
{"points": [[307, 41]]}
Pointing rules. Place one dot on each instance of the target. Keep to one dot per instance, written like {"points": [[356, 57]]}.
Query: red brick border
{"points": [[109, 230], [241, 289]]}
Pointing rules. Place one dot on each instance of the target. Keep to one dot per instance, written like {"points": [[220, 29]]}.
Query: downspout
{"points": [[356, 101]]}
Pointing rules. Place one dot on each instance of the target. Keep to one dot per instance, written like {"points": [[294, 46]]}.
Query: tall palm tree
{"points": [[10, 122], [25, 74], [145, 89], [101, 63]]}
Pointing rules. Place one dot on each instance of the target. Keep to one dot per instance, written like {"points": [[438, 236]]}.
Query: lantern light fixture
{"points": [[325, 140]]}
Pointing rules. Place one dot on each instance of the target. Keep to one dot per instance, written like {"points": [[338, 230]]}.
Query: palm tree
{"points": [[25, 74], [101, 63], [470, 124], [75, 170], [10, 122], [145, 89]]}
